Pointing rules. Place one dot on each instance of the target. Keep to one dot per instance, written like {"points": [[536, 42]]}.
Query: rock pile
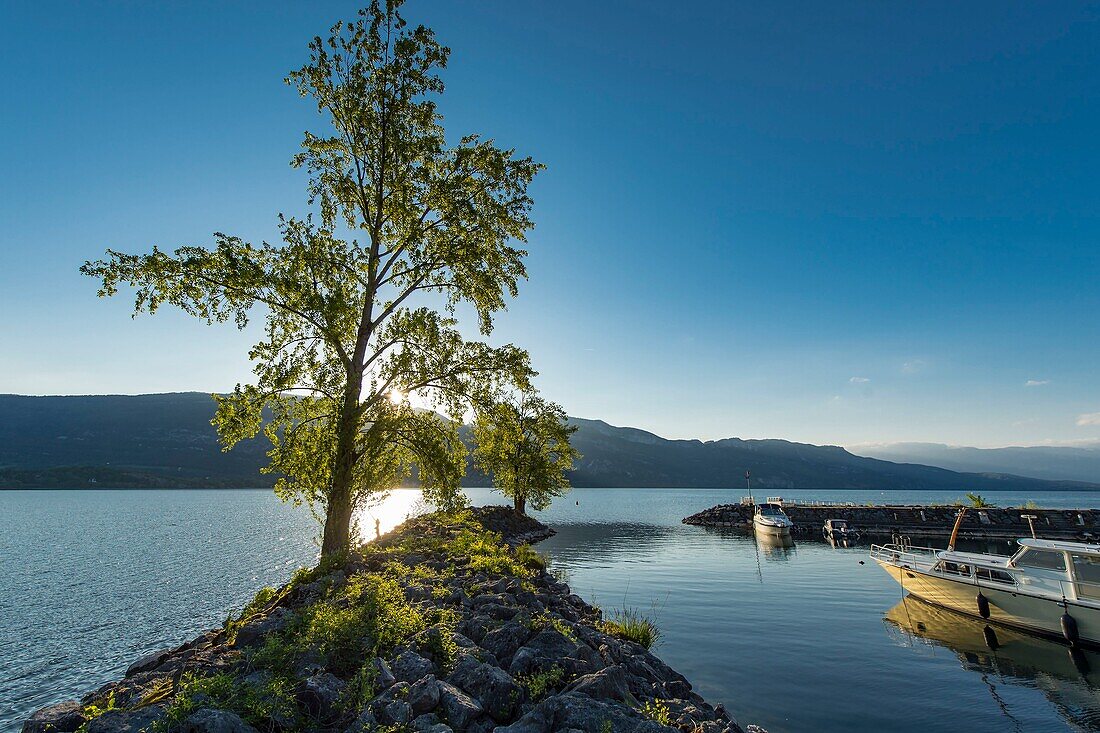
{"points": [[440, 626]]}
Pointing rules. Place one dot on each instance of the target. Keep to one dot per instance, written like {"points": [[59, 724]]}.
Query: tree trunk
{"points": [[521, 504], [337, 536]]}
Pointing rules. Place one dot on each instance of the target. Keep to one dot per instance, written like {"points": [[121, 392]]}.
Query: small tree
{"points": [[346, 338], [523, 441], [978, 501]]}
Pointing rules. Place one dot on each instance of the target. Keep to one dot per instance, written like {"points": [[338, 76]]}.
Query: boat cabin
{"points": [[1069, 569]]}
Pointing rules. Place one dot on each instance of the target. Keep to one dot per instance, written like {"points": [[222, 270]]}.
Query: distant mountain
{"points": [[615, 456], [1056, 463], [166, 440]]}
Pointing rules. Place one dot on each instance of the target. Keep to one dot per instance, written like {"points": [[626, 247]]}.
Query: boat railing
{"points": [[901, 554]]}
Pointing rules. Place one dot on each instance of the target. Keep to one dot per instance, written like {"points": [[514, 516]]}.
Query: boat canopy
{"points": [[1083, 548]]}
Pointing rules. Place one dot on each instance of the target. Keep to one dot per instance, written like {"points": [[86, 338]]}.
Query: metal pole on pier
{"points": [[1030, 522], [748, 488]]}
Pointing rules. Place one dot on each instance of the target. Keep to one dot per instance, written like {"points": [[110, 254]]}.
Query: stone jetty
{"points": [[917, 521], [448, 623]]}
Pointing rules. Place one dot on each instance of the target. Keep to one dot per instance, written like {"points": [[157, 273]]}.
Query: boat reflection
{"points": [[775, 547], [1070, 678]]}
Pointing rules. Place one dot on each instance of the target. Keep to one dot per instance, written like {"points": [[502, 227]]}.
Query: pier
{"points": [[886, 520]]}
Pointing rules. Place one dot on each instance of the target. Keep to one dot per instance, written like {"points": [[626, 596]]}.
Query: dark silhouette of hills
{"points": [[166, 440]]}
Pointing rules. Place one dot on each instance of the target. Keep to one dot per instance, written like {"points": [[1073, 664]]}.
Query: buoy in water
{"points": [[983, 605], [1069, 628], [991, 640]]}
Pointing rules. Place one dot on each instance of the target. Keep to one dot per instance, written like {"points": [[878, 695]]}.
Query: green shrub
{"points": [[531, 558], [256, 704], [369, 617], [656, 710], [629, 624], [541, 684], [234, 623]]}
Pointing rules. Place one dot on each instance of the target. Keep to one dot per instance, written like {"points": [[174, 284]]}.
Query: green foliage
{"points": [[631, 625], [1030, 504], [545, 620], [541, 684], [355, 324], [440, 646], [531, 557], [362, 687], [656, 710], [256, 704], [368, 618], [606, 727], [523, 441], [95, 709], [978, 502], [233, 623]]}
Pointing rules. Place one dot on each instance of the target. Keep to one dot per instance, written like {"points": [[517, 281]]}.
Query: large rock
{"points": [[460, 709], [320, 695], [424, 694], [126, 721], [410, 666], [609, 683], [538, 720], [574, 710], [215, 721], [256, 629], [498, 693], [503, 642], [149, 662], [64, 717]]}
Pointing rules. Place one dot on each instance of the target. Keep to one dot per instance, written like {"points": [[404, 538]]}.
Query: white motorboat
{"points": [[769, 519], [1048, 587]]}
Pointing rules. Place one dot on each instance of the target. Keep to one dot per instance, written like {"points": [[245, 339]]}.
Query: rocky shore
{"points": [[448, 623]]}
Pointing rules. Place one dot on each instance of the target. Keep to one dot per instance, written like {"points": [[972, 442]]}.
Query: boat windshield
{"points": [[770, 510]]}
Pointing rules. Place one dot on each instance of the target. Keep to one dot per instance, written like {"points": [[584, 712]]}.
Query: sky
{"points": [[829, 222]]}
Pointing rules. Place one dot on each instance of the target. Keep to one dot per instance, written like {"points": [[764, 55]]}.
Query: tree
{"points": [[359, 297], [978, 501], [523, 441]]}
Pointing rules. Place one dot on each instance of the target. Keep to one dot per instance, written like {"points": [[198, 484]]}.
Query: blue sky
{"points": [[831, 222]]}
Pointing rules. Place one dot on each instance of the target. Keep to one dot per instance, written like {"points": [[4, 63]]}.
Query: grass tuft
{"points": [[631, 625]]}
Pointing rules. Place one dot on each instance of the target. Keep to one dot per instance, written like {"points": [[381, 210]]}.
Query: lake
{"points": [[797, 638]]}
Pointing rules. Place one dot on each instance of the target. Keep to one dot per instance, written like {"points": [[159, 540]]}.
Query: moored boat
{"points": [[839, 530], [769, 519], [1048, 587]]}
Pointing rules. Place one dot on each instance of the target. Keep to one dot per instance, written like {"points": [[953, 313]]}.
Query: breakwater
{"points": [[917, 520], [448, 623]]}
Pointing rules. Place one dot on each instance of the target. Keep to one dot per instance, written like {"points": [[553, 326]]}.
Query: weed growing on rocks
{"points": [[631, 625]]}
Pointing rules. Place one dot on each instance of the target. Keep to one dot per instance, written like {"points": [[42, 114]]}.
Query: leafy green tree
{"points": [[978, 501], [359, 297], [523, 441]]}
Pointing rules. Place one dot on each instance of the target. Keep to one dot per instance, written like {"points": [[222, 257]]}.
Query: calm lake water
{"points": [[795, 639]]}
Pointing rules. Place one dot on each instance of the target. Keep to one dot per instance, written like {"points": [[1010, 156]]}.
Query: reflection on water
{"points": [[1069, 678], [788, 637]]}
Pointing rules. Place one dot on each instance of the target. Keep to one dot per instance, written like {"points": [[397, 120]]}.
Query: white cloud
{"points": [[1089, 418], [859, 380], [1036, 382], [912, 367]]}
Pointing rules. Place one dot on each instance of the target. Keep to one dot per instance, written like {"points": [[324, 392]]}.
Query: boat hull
{"points": [[1007, 607], [771, 530]]}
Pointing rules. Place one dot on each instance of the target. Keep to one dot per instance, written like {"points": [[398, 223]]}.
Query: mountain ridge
{"points": [[166, 440]]}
